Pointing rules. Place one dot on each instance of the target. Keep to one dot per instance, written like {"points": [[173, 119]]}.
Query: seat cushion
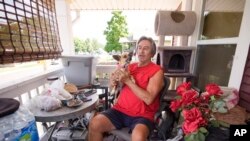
{"points": [[123, 133]]}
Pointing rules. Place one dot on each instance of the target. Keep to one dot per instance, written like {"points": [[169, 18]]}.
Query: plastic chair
{"points": [[163, 124]]}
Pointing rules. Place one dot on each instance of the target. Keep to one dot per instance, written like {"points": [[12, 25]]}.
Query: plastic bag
{"points": [[51, 96], [47, 103], [57, 90], [230, 96]]}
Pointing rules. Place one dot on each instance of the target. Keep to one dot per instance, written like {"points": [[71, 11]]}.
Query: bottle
{"points": [[51, 79], [25, 125], [1, 136], [6, 124]]}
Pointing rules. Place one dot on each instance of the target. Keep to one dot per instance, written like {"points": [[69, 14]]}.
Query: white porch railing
{"points": [[23, 89]]}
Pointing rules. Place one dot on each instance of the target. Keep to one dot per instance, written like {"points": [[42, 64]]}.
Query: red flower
{"points": [[189, 127], [183, 87], [195, 108], [189, 97], [213, 89], [192, 120], [175, 105]]}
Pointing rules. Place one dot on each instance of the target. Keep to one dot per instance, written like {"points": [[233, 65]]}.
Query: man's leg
{"points": [[98, 125], [140, 132]]}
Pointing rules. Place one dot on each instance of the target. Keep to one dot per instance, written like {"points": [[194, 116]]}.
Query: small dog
{"points": [[123, 61]]}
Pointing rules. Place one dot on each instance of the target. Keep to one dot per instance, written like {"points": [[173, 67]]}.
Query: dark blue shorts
{"points": [[121, 120]]}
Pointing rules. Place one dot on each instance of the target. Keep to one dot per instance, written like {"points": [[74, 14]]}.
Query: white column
{"points": [[198, 8], [65, 26], [161, 40], [185, 6], [241, 49]]}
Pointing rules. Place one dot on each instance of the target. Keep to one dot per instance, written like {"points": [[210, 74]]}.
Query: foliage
{"points": [[116, 29], [87, 46], [197, 109]]}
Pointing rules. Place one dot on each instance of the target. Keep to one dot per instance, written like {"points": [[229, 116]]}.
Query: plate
{"points": [[74, 103]]}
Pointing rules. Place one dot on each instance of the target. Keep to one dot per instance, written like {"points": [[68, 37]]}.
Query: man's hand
{"points": [[123, 75], [113, 79]]}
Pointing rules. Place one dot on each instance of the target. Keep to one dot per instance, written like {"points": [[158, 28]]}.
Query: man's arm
{"points": [[153, 89]]}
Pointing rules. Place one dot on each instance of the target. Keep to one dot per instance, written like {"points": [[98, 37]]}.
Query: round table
{"points": [[64, 113]]}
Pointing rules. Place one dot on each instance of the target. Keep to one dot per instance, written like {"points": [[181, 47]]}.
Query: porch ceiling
{"points": [[211, 5], [124, 4]]}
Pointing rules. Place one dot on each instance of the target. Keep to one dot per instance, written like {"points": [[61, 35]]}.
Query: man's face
{"points": [[144, 51]]}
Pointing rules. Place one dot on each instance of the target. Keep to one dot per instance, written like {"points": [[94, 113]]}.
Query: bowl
{"points": [[65, 101], [74, 103]]}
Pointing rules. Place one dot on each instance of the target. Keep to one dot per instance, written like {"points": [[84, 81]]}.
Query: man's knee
{"points": [[95, 124], [140, 133]]}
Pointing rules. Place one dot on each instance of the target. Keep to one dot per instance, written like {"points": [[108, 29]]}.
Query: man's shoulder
{"points": [[133, 64], [156, 65]]}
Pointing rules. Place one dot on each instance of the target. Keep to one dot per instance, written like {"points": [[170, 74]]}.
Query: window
{"points": [[222, 19], [214, 64], [28, 31]]}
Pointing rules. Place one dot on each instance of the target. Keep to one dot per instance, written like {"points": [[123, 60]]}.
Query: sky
{"points": [[93, 23]]}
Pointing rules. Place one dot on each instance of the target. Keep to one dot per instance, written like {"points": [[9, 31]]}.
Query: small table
{"points": [[64, 113]]}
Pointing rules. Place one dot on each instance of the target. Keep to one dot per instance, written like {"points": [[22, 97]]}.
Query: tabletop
{"points": [[64, 113]]}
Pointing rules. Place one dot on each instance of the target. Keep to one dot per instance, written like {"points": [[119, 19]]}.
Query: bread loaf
{"points": [[71, 88]]}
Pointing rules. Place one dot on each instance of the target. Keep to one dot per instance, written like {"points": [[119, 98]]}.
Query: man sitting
{"points": [[138, 101]]}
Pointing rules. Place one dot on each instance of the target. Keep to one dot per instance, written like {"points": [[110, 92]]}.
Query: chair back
{"points": [[164, 92], [164, 118]]}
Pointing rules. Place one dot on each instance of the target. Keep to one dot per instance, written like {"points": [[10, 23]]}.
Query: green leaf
{"points": [[215, 123], [200, 137], [224, 124], [212, 98], [189, 137], [203, 130]]}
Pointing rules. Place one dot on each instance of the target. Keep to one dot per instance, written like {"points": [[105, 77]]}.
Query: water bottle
{"points": [[1, 136], [6, 124], [18, 126], [25, 125]]}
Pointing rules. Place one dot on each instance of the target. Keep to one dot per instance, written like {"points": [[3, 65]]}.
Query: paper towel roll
{"points": [[175, 22]]}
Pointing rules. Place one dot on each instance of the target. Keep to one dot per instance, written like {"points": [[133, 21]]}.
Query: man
{"points": [[138, 101]]}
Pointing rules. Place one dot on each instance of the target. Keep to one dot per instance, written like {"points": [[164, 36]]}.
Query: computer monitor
{"points": [[79, 69]]}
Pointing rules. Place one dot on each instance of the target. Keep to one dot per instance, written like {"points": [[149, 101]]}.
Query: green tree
{"points": [[116, 29], [95, 45], [88, 45], [78, 43]]}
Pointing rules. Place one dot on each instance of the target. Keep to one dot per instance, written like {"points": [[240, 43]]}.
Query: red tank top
{"points": [[129, 103]]}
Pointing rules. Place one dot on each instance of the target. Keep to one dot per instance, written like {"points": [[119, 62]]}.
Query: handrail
{"points": [[30, 83], [20, 87]]}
